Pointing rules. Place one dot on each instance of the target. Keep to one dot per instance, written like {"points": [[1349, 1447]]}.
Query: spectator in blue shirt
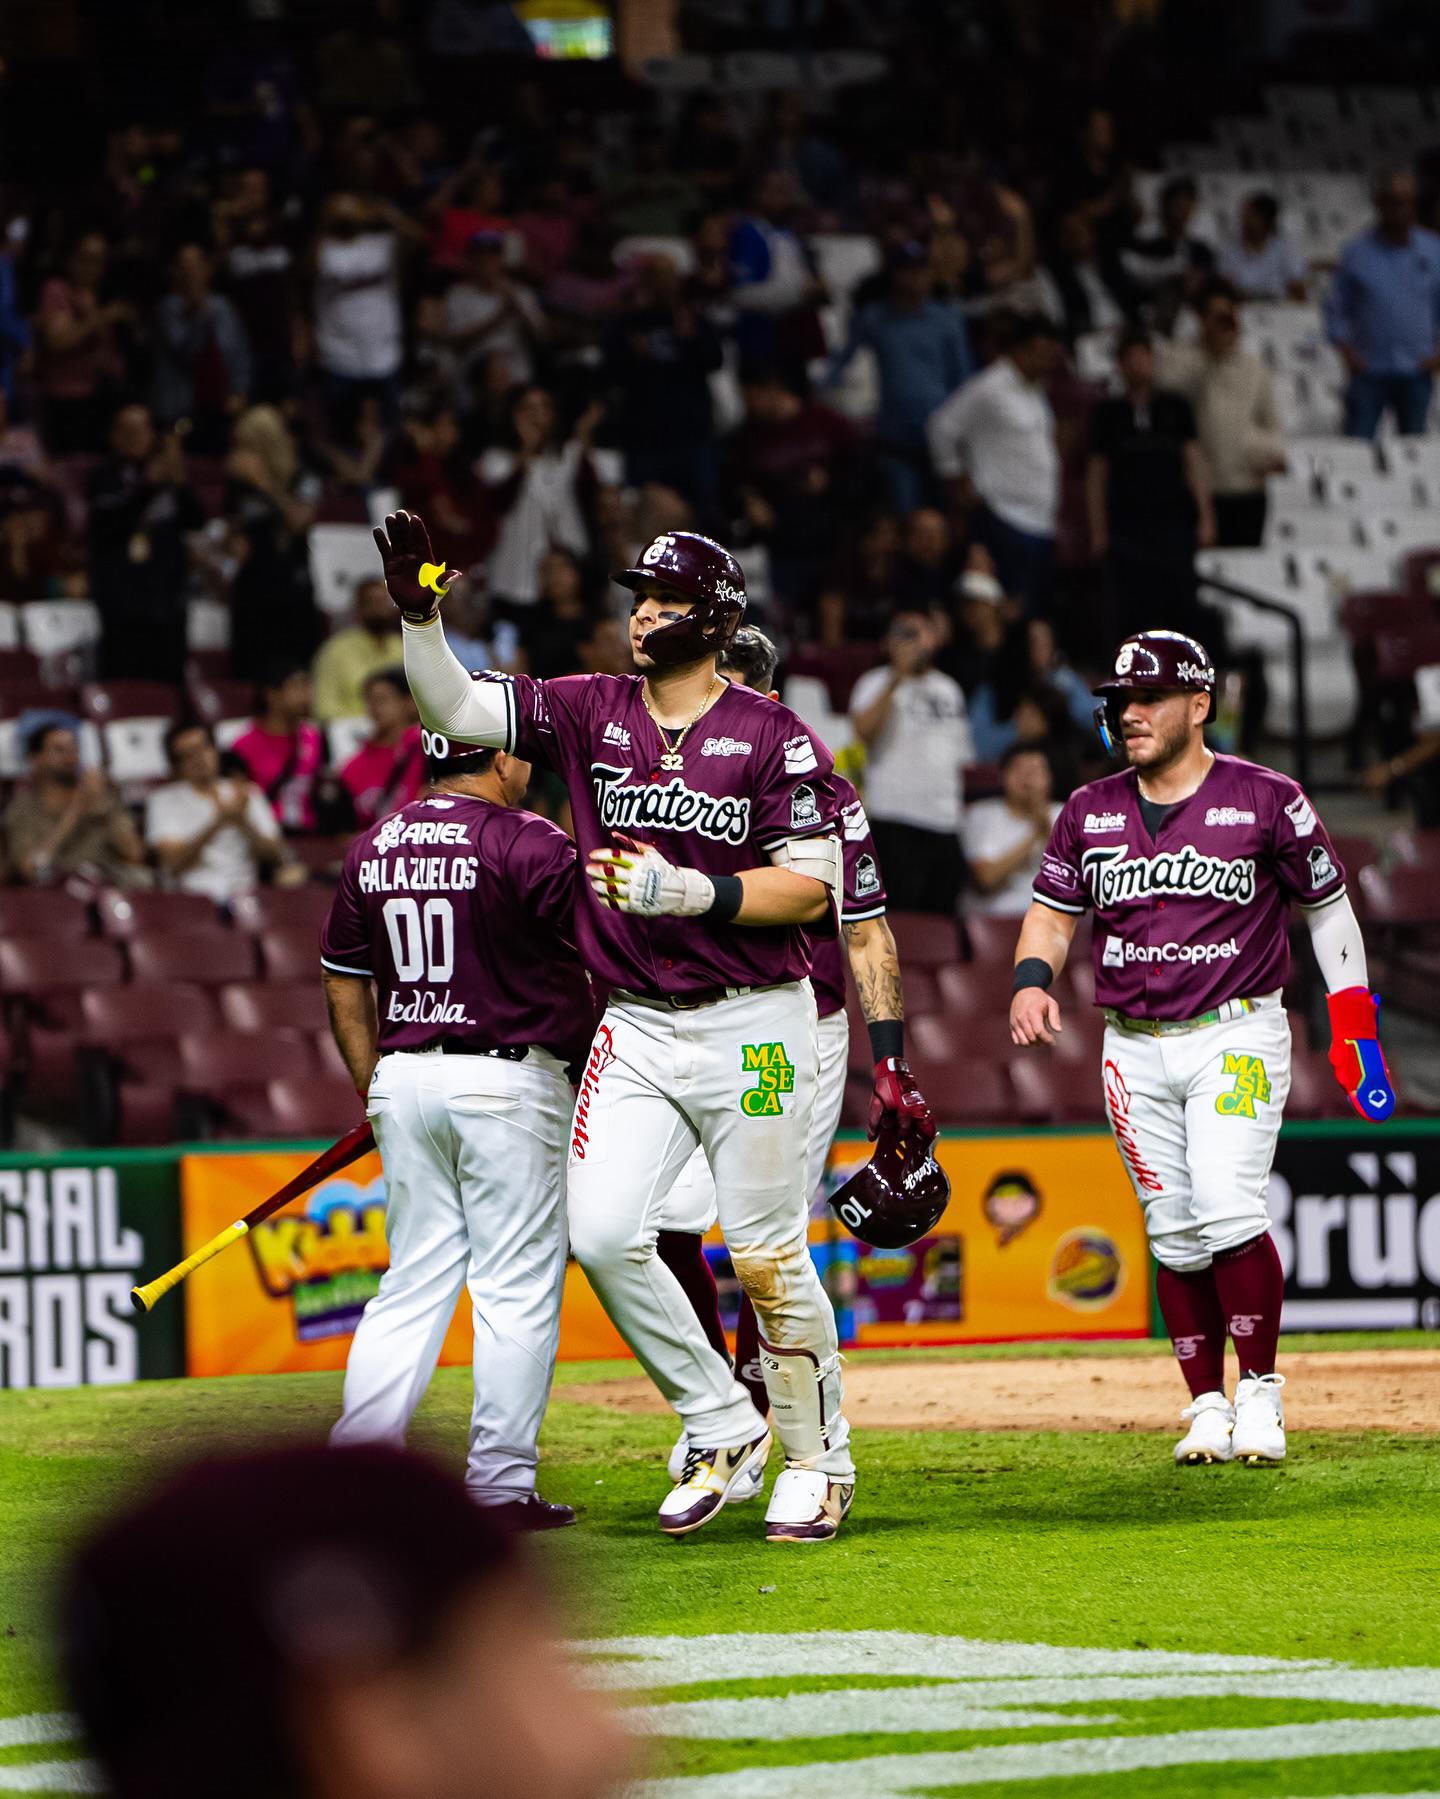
{"points": [[1383, 314], [14, 331], [923, 352]]}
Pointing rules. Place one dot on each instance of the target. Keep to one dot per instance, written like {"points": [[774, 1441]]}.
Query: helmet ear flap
{"points": [[1107, 725]]}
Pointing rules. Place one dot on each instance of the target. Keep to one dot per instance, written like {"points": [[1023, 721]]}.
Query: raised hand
{"points": [[413, 579]]}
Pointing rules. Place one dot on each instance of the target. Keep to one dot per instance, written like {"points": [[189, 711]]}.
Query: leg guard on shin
{"points": [[805, 1397]]}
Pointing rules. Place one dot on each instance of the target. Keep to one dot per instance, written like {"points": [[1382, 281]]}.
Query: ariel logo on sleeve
{"points": [[1251, 1089], [775, 1074]]}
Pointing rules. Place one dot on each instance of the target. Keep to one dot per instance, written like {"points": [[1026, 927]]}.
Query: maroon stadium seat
{"points": [[42, 912], [1314, 1091], [1413, 848], [145, 1113], [328, 1057], [213, 958], [220, 1061], [103, 700], [1049, 1090], [991, 939], [960, 1034], [1367, 612], [1407, 895], [1355, 852], [924, 939], [839, 666], [22, 691], [214, 697], [1421, 569], [284, 908], [922, 993], [126, 915], [291, 953], [1399, 652], [281, 1006], [34, 967], [314, 1107], [975, 994], [972, 1090], [855, 1107], [144, 1012]]}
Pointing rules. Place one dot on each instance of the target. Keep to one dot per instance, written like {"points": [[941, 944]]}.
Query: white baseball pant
{"points": [[690, 1203], [473, 1150], [738, 1079], [1195, 1117]]}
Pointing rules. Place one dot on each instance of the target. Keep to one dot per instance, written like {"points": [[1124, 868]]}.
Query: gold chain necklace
{"points": [[670, 757]]}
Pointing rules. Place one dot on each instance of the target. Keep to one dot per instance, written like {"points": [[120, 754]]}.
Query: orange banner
{"points": [[1042, 1238]]}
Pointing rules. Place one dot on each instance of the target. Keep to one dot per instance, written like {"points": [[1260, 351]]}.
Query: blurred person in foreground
{"points": [[209, 835], [65, 820], [352, 1613], [346, 661]]}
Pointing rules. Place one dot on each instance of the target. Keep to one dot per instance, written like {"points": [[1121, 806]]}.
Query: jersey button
{"points": [[1159, 905], [666, 963]]}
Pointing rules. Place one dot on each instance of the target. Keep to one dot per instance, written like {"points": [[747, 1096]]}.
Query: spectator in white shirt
{"points": [[358, 323], [1004, 837], [209, 836], [1262, 265], [485, 314], [994, 441], [911, 718]]}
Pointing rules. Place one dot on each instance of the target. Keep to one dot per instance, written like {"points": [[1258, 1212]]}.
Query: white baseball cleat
{"points": [[706, 1481], [1210, 1418], [806, 1506], [750, 1485], [1259, 1434]]}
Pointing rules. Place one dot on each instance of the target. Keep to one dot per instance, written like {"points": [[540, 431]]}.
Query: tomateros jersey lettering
{"points": [[721, 812], [1199, 914]]}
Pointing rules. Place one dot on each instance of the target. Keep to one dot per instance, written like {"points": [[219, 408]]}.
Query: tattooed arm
{"points": [[875, 964]]}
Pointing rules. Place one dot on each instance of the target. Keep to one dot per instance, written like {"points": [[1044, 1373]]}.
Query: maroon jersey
{"points": [[863, 896], [1198, 914], [753, 776], [463, 915]]}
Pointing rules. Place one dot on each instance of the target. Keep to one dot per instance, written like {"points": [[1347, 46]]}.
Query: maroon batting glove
{"points": [[897, 1098], [413, 579]]}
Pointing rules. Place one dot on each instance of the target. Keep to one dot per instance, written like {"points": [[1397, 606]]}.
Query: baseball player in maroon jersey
{"points": [[751, 661], [448, 953], [707, 823], [1190, 862]]}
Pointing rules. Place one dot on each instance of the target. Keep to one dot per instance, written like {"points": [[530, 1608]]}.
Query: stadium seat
{"points": [[51, 629], [144, 1114], [211, 958], [973, 1090], [32, 966], [1314, 1091], [262, 1006], [283, 908], [1355, 852], [328, 1060], [103, 700], [1366, 612], [344, 736], [321, 855], [42, 912], [975, 995], [839, 666], [314, 1108], [214, 1063], [1399, 651], [1415, 849], [341, 556], [991, 939], [124, 914], [9, 625], [135, 749], [290, 953], [146, 1011], [924, 939], [22, 689], [214, 698], [1407, 895], [922, 993], [1051, 1090]]}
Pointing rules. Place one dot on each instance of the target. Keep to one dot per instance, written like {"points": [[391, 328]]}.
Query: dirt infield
{"points": [[1387, 1390]]}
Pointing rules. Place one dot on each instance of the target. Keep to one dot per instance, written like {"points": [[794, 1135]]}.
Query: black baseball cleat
{"points": [[531, 1513]]}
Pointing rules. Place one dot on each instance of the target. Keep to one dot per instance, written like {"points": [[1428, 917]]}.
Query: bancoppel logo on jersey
{"points": [[867, 878], [857, 826], [725, 746], [1116, 879], [1229, 815], [799, 755], [1119, 951], [804, 809], [1302, 815], [1104, 821], [673, 807], [616, 734]]}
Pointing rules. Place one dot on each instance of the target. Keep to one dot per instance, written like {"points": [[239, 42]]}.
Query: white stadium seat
{"points": [[379, 501], [207, 625], [228, 729], [1397, 533], [341, 556], [9, 626], [56, 627], [1311, 530], [344, 736], [135, 748]]}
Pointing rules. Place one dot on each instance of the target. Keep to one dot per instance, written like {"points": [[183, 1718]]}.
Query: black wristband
{"points": [[1032, 971], [887, 1038], [729, 896]]}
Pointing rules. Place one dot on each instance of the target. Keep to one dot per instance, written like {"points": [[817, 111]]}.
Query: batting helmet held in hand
{"points": [[698, 569], [1155, 662], [899, 1195]]}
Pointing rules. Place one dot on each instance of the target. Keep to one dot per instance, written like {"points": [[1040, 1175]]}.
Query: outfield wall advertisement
{"points": [[1042, 1239]]}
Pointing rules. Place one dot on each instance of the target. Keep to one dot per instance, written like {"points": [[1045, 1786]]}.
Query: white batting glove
{"points": [[635, 878]]}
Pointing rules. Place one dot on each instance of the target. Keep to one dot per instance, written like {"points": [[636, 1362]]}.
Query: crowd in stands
{"points": [[842, 335]]}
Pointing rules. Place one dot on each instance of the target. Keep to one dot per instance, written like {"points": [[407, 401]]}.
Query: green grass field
{"points": [[1046, 1613]]}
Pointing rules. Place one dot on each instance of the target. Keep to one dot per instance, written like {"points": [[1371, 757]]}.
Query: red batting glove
{"points": [[415, 582], [898, 1099], [1356, 1055]]}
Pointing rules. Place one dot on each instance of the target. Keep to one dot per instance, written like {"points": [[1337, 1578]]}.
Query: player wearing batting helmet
{"points": [[708, 829], [1189, 862]]}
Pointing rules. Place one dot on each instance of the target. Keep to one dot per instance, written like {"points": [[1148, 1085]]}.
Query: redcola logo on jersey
{"points": [[1115, 878], [724, 818]]}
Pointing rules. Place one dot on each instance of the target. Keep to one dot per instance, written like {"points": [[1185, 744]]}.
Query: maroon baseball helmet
{"points": [[1151, 661], [699, 569], [899, 1195]]}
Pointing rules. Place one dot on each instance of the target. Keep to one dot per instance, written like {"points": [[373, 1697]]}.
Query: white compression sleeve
{"points": [[1339, 947], [448, 700]]}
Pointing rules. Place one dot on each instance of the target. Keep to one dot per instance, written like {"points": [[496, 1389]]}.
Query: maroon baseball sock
{"points": [[747, 1356], [1251, 1285], [1190, 1306], [683, 1253]]}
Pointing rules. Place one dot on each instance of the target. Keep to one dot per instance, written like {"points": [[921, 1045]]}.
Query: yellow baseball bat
{"points": [[349, 1148]]}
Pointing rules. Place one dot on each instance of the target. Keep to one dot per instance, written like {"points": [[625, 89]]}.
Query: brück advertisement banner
{"points": [[76, 1233]]}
